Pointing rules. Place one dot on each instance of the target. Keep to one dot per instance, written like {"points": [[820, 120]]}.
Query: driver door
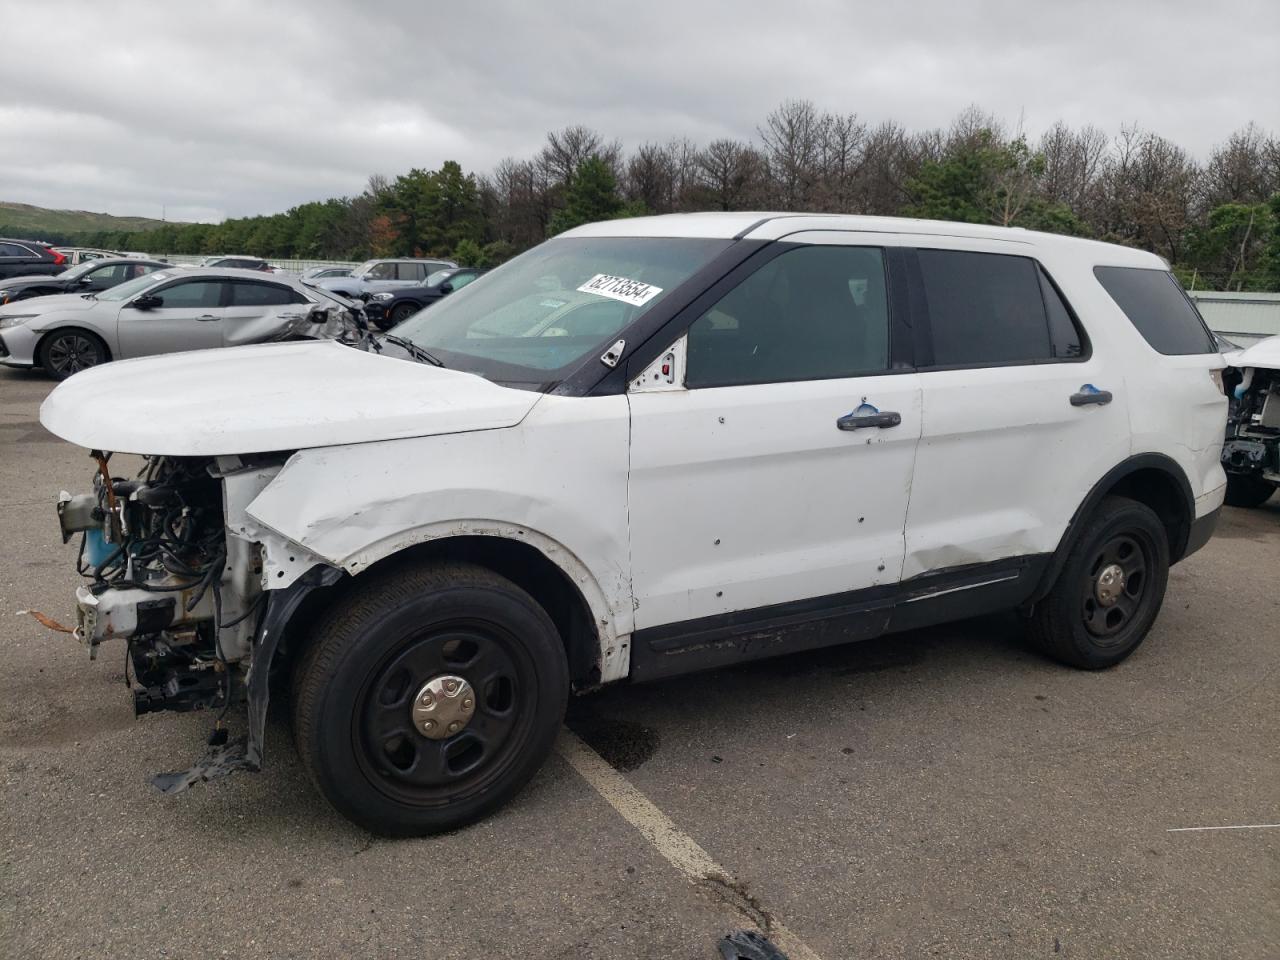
{"points": [[189, 317], [770, 489]]}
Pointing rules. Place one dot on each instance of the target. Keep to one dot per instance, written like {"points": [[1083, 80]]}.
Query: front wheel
{"points": [[401, 313], [1109, 590], [65, 352], [429, 698], [1245, 491]]}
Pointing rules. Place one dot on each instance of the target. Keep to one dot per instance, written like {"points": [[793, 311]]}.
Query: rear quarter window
{"points": [[1156, 305]]}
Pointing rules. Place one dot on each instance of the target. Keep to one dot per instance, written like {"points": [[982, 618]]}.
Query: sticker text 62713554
{"points": [[620, 288]]}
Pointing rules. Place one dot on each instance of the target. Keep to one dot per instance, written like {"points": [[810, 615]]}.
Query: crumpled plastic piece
{"points": [[218, 762], [749, 945]]}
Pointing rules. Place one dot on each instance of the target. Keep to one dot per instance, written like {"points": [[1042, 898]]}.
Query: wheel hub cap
{"points": [[1110, 585], [443, 706]]}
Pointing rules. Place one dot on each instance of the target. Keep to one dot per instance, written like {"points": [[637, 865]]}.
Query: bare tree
{"points": [[1245, 169], [792, 142], [567, 148], [729, 172], [1073, 164]]}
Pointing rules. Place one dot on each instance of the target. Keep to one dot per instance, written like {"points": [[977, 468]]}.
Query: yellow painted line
{"points": [[677, 847]]}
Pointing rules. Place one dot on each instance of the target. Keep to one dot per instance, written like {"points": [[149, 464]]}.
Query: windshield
{"points": [[127, 289], [364, 268], [438, 277], [535, 318]]}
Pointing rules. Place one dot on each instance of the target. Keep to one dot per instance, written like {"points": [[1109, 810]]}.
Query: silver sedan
{"points": [[163, 312]]}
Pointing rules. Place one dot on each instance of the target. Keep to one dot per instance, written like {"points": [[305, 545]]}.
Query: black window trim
{"points": [[926, 320]]}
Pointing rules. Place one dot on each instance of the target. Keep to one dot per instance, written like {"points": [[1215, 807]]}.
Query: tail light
{"points": [[58, 258]]}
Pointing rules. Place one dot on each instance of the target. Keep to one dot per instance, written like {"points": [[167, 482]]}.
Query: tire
{"points": [[1248, 491], [401, 313], [65, 352], [359, 687], [1090, 619]]}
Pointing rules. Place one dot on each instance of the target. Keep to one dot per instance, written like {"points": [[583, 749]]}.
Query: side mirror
{"points": [[446, 287], [83, 281], [148, 301]]}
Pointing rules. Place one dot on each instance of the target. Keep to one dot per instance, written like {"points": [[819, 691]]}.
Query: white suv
{"points": [[643, 448]]}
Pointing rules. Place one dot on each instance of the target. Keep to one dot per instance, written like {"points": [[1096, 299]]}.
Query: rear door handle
{"points": [[856, 420], [1089, 394], [208, 316]]}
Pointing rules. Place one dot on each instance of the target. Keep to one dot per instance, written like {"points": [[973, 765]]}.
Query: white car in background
{"points": [[643, 448], [166, 311]]}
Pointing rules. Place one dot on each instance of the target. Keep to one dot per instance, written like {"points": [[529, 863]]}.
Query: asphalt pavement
{"points": [[944, 793]]}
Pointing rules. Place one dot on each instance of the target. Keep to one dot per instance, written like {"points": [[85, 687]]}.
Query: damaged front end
{"points": [[177, 571], [1251, 452]]}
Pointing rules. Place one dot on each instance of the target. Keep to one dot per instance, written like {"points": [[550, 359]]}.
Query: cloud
{"points": [[229, 107]]}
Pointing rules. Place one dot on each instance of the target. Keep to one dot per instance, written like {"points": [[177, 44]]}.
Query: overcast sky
{"points": [[215, 109]]}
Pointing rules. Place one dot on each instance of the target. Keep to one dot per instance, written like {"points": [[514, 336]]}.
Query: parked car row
{"points": [[160, 311]]}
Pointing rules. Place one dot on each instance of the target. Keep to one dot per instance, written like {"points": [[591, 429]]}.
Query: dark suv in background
{"points": [[18, 258]]}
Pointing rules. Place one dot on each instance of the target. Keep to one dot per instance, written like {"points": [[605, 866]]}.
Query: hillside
{"points": [[37, 220]]}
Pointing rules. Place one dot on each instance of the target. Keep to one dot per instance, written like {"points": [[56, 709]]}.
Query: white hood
{"points": [[1264, 354], [272, 396]]}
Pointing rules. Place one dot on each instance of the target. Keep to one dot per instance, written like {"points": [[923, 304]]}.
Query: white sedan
{"points": [[163, 312]]}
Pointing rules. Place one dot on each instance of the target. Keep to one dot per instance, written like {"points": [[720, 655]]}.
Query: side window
{"points": [[13, 250], [381, 271], [194, 293], [1065, 339], [1154, 303], [984, 308], [114, 273], [812, 313], [262, 295], [412, 271]]}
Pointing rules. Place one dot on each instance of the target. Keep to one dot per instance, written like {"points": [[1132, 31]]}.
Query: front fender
{"points": [[556, 482]]}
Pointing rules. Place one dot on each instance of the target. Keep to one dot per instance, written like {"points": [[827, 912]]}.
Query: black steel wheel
{"points": [[1109, 590], [65, 352], [429, 697], [1114, 591], [479, 669]]}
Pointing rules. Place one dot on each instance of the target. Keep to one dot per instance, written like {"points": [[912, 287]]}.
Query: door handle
{"points": [[207, 316], [1089, 394], [856, 420]]}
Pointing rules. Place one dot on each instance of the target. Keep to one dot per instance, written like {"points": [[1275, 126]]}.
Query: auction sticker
{"points": [[620, 288]]}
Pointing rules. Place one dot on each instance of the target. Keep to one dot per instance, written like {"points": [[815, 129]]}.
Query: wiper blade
{"points": [[413, 349]]}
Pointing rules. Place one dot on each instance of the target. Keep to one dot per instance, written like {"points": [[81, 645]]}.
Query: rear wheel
{"points": [[65, 352], [1248, 491], [429, 698], [1110, 588]]}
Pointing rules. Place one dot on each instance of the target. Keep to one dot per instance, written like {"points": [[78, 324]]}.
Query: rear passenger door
{"points": [[249, 302], [771, 481], [1014, 434]]}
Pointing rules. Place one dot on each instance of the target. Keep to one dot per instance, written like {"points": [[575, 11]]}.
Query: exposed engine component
{"points": [[155, 550], [1252, 447]]}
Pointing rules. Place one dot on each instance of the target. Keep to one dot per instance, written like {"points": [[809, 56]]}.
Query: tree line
{"points": [[1216, 221]]}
